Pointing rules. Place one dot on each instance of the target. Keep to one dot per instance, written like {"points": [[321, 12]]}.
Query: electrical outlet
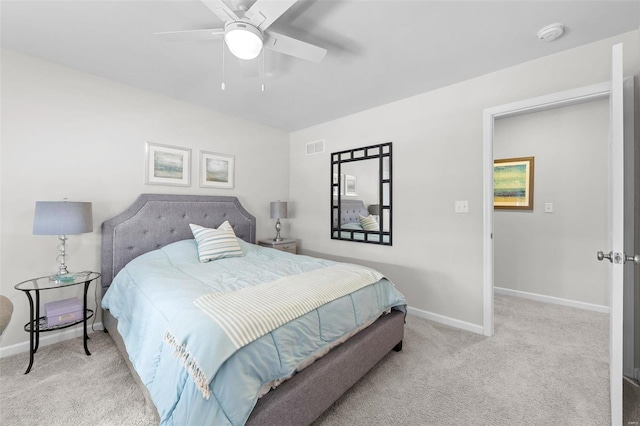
{"points": [[462, 206], [548, 207]]}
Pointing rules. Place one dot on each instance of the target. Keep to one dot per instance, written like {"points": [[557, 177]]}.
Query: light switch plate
{"points": [[548, 207], [462, 206]]}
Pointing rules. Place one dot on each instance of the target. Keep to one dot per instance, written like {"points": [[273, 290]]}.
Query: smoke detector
{"points": [[551, 32]]}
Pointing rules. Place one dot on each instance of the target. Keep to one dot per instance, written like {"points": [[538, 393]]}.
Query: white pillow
{"points": [[216, 243], [369, 223]]}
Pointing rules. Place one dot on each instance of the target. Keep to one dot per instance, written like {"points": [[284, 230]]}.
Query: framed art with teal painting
{"points": [[167, 165], [513, 183], [216, 170]]}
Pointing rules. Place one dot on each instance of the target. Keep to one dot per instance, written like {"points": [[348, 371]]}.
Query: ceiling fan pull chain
{"points": [[223, 86], [263, 73]]}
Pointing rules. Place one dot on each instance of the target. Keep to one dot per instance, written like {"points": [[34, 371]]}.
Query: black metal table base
{"points": [[34, 328]]}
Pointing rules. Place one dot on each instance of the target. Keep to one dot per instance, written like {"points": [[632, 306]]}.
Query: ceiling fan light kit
{"points": [[245, 32], [243, 40]]}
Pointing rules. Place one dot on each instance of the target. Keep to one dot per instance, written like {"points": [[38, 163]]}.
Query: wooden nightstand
{"points": [[287, 244]]}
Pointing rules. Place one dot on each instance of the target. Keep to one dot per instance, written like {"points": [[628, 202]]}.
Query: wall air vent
{"points": [[315, 147]]}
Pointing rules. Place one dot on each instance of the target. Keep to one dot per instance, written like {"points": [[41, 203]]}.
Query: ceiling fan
{"points": [[245, 30]]}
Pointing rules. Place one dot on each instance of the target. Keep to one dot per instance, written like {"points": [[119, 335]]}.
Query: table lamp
{"points": [[374, 209], [62, 218], [278, 211]]}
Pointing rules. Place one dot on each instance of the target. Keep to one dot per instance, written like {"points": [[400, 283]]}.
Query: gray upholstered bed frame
{"points": [[156, 220], [351, 210]]}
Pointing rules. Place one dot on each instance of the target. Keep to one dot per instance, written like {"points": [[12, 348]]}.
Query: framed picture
{"points": [[350, 185], [167, 165], [513, 183], [335, 180], [216, 170]]}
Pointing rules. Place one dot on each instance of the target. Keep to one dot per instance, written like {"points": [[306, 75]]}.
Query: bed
{"points": [[160, 224], [351, 212]]}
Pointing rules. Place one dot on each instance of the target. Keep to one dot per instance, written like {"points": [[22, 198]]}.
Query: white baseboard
{"points": [[47, 339], [552, 299], [474, 328]]}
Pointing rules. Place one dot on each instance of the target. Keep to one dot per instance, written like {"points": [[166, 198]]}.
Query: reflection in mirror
{"points": [[361, 194]]}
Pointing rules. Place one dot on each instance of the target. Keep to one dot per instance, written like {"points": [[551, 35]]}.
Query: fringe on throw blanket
{"points": [[190, 364]]}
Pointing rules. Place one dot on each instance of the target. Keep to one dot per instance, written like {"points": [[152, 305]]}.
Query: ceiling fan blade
{"points": [[221, 10], [293, 47], [192, 35], [264, 12]]}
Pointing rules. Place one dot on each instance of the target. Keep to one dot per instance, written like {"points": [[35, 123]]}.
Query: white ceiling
{"points": [[378, 51]]}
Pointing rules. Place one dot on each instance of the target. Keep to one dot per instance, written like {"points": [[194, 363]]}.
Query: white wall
{"points": [[70, 134], [436, 258], [545, 253]]}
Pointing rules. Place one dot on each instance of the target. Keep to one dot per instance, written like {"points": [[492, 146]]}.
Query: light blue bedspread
{"points": [[154, 294]]}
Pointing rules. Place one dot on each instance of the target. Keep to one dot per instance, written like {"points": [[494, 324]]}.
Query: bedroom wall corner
{"points": [[66, 133]]}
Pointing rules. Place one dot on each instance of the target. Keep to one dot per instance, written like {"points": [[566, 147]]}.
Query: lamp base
{"points": [[278, 227], [62, 256]]}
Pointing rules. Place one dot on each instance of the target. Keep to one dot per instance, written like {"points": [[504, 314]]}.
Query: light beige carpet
{"points": [[546, 365], [67, 387]]}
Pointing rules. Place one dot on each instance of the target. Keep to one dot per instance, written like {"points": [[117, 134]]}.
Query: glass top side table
{"points": [[38, 324]]}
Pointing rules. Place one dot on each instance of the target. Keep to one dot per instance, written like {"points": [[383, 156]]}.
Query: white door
{"points": [[616, 253], [621, 202]]}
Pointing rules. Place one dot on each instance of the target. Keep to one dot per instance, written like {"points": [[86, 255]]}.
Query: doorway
{"points": [[621, 187], [543, 253], [543, 103]]}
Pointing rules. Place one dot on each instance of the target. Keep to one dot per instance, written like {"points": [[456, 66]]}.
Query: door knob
{"points": [[602, 256], [635, 259]]}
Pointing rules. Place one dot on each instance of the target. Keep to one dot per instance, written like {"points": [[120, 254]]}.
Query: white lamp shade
{"points": [[244, 41], [62, 218], [279, 210]]}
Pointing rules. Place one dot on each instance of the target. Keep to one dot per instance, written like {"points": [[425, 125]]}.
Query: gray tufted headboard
{"points": [[155, 220], [351, 210]]}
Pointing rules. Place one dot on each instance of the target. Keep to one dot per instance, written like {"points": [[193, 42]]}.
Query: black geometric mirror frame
{"points": [[339, 205]]}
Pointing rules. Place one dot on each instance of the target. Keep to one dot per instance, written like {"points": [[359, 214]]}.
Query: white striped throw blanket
{"points": [[246, 315]]}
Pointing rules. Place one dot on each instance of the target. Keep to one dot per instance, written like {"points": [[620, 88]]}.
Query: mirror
{"points": [[361, 194]]}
